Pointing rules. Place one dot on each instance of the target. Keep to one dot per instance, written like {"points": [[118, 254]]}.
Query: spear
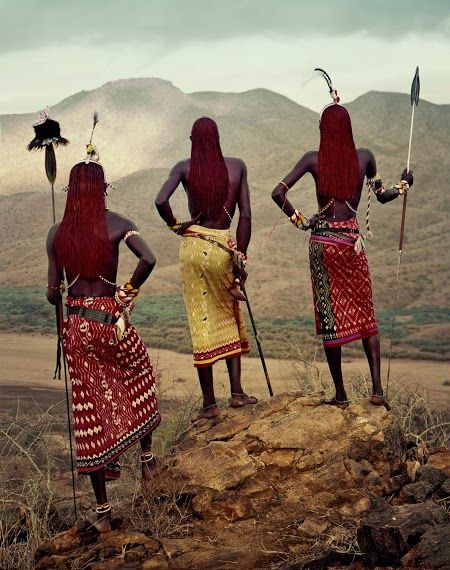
{"points": [[258, 343], [415, 90], [47, 133]]}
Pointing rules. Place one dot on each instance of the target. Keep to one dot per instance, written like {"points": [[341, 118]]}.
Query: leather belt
{"points": [[93, 315]]}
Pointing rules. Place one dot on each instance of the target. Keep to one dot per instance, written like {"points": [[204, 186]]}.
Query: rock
{"points": [[444, 490], [313, 527], [433, 550], [431, 474], [416, 492], [231, 506], [157, 562], [260, 473], [217, 465], [53, 562], [441, 460], [386, 535], [65, 541], [115, 542]]}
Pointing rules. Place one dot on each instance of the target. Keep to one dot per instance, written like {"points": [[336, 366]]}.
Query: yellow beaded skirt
{"points": [[215, 317]]}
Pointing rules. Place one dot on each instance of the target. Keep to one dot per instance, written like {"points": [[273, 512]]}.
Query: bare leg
{"points": [[103, 523], [210, 408], [238, 397], [372, 349], [147, 458], [334, 357], [234, 372]]}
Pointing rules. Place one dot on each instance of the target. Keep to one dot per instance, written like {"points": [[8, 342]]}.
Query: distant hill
{"points": [[144, 129]]}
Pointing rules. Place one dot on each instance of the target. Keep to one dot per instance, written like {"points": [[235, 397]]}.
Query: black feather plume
{"points": [[45, 134], [326, 77]]}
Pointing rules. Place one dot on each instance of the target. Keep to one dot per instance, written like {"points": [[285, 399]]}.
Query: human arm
{"points": [[137, 245], [162, 200], [279, 193], [244, 227], [374, 182], [54, 275], [167, 189]]}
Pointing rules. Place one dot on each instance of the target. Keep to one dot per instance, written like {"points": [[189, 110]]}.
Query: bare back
{"points": [[237, 191], [340, 210], [117, 227], [238, 195]]}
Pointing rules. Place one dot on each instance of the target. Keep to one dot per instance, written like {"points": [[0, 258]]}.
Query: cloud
{"points": [[30, 24]]}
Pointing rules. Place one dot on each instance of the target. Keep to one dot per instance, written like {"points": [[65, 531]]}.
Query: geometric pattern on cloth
{"points": [[215, 318], [342, 288], [113, 387]]}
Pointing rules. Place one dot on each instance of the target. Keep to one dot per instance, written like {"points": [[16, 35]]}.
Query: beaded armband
{"points": [[125, 294], [299, 220], [130, 233]]}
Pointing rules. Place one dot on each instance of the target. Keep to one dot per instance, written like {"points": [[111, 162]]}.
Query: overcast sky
{"points": [[50, 49]]}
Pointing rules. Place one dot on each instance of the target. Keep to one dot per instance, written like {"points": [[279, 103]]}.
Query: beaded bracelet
{"points": [[298, 220], [176, 227], [125, 294]]}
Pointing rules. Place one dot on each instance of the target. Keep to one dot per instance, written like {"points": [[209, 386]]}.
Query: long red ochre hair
{"points": [[338, 167], [208, 175], [81, 242]]}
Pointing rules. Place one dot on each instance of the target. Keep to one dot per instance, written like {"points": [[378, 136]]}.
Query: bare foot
{"points": [[207, 413], [341, 404], [379, 401], [102, 523], [240, 400]]}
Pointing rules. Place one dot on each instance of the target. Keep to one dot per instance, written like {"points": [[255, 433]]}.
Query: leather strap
{"points": [[93, 315]]}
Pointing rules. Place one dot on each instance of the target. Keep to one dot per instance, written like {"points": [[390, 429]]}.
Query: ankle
{"points": [[103, 509]]}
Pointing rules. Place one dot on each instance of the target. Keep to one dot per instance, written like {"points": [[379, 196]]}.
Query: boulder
{"points": [[290, 454], [433, 550], [386, 535]]}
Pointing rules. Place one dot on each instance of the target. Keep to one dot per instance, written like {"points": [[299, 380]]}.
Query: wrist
{"points": [[299, 220]]}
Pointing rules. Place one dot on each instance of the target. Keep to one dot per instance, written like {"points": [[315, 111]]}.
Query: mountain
{"points": [[144, 129]]}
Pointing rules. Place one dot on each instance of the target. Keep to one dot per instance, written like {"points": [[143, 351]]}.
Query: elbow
{"points": [[277, 195], [149, 261], [160, 203]]}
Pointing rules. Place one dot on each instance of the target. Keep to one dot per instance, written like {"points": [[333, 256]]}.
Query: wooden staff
{"points": [[415, 89]]}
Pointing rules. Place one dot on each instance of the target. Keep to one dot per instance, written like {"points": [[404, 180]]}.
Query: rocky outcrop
{"points": [[264, 483]]}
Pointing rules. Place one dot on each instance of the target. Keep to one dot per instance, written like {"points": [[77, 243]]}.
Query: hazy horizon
{"points": [[51, 50]]}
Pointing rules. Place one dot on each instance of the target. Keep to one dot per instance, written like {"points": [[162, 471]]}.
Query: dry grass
{"points": [[27, 475], [35, 475]]}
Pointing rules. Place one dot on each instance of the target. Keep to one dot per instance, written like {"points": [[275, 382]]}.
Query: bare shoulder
{"points": [[310, 156], [182, 167], [235, 163], [365, 153], [119, 222]]}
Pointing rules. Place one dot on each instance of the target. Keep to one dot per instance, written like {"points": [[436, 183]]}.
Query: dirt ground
{"points": [[29, 360]]}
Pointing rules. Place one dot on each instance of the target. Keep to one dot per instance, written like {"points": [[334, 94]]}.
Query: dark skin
{"points": [[238, 196], [337, 212], [117, 227]]}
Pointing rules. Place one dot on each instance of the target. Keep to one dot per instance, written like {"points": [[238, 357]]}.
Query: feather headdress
{"points": [[333, 92]]}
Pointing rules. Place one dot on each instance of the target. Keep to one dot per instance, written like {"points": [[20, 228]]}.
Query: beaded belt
{"points": [[93, 315], [335, 230]]}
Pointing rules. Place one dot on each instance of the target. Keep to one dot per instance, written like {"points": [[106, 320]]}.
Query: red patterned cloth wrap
{"points": [[342, 288], [113, 387]]}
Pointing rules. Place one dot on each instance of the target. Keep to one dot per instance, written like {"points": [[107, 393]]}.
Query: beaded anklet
{"points": [[103, 509]]}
